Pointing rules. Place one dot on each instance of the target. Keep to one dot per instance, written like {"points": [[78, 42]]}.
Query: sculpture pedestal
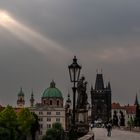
{"points": [[82, 122]]}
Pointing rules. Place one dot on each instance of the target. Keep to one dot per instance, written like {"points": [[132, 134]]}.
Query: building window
{"points": [[48, 125], [44, 101], [50, 102], [40, 119], [41, 113], [57, 113], [41, 125], [57, 119], [48, 113], [48, 119], [57, 102]]}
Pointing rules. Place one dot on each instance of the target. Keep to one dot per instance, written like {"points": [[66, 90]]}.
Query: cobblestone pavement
{"points": [[101, 134]]}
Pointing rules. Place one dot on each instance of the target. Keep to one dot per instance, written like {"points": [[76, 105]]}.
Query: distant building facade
{"points": [[100, 100], [125, 112], [50, 110]]}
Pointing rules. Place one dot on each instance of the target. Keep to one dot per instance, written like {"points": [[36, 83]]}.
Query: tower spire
{"points": [[32, 99], [136, 100], [99, 84], [91, 87], [109, 86], [68, 101], [20, 100]]}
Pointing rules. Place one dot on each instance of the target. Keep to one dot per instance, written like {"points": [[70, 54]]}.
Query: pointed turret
{"points": [[52, 84], [32, 99], [68, 100], [91, 88], [99, 84], [109, 86], [20, 100], [136, 101]]}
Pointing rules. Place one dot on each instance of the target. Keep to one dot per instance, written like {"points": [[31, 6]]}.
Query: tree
{"points": [[59, 130], [51, 133], [25, 120], [49, 137], [130, 123], [4, 134], [54, 133], [34, 126], [122, 119], [8, 122], [115, 119], [137, 117]]}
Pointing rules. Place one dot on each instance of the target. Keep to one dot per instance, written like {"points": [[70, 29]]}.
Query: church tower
{"points": [[20, 100], [101, 100], [136, 101], [68, 101], [68, 112], [32, 99]]}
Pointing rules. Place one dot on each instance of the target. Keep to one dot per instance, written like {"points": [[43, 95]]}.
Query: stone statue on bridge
{"points": [[82, 95]]}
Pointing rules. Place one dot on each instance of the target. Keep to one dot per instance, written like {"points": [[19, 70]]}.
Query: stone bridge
{"points": [[88, 136]]}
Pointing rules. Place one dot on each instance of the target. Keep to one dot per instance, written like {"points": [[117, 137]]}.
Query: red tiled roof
{"points": [[130, 109], [116, 106]]}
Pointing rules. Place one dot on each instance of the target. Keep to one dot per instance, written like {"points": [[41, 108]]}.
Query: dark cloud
{"points": [[103, 34]]}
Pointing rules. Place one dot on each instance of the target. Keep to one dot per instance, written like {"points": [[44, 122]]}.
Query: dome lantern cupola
{"points": [[52, 84], [52, 96]]}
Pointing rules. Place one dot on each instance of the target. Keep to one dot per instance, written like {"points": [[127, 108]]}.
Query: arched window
{"points": [[44, 102], [50, 102], [57, 102]]}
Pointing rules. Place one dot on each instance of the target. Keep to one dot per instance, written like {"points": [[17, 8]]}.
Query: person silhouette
{"points": [[109, 128], [91, 126]]}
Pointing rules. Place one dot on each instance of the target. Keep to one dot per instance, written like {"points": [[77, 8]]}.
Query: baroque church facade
{"points": [[100, 100], [49, 110]]}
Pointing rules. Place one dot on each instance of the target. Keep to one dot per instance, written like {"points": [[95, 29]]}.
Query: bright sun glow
{"points": [[26, 34], [5, 18]]}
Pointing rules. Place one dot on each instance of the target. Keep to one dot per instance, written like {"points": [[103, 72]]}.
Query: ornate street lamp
{"points": [[74, 72]]}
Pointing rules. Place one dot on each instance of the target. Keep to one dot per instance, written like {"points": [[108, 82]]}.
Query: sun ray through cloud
{"points": [[28, 35]]}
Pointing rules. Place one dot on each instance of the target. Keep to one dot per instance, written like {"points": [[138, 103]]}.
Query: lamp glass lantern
{"points": [[74, 70]]}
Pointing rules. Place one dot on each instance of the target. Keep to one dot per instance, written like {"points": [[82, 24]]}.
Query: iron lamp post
{"points": [[74, 72]]}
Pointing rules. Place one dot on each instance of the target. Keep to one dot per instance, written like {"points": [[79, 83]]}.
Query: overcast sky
{"points": [[38, 39]]}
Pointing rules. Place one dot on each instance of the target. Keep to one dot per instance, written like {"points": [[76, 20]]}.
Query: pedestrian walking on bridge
{"points": [[109, 128], [91, 126]]}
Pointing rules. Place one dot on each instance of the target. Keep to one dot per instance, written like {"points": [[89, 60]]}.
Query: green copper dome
{"points": [[52, 92]]}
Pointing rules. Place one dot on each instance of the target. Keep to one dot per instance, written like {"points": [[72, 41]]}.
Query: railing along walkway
{"points": [[88, 136]]}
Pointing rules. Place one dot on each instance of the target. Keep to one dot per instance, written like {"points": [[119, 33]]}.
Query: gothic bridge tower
{"points": [[101, 100]]}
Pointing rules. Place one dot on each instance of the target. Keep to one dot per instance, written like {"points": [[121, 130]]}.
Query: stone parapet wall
{"points": [[88, 136], [133, 129]]}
